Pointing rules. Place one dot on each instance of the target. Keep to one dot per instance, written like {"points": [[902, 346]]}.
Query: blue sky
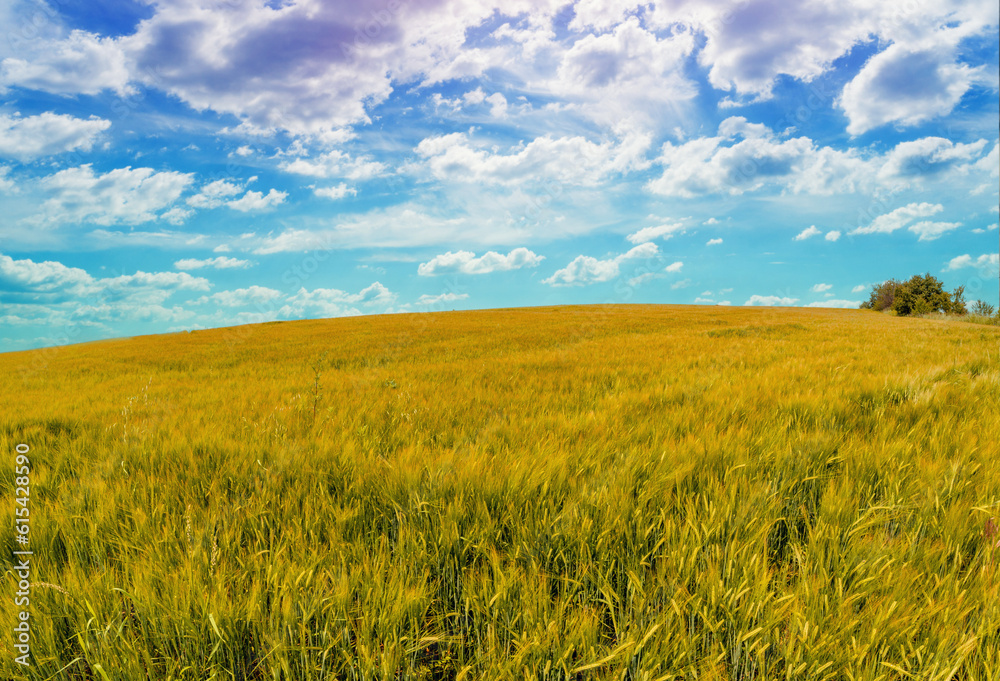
{"points": [[182, 165]]}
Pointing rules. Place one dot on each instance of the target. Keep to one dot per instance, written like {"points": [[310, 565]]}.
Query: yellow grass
{"points": [[622, 492]]}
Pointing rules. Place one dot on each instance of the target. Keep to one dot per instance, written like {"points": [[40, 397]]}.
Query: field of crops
{"points": [[624, 492]]}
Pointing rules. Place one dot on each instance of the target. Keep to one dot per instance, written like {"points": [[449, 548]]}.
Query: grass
{"points": [[621, 492]]}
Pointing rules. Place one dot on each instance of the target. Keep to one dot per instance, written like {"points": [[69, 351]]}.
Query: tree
{"points": [[883, 295], [958, 301], [982, 308], [921, 294]]}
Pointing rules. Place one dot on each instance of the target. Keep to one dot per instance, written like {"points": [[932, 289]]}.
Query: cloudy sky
{"points": [[179, 164]]}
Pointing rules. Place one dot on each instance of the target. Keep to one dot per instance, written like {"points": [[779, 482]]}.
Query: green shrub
{"points": [[921, 294]]}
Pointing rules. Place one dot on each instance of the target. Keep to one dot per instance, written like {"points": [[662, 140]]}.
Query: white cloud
{"points": [[907, 85], [747, 157], [55, 281], [242, 297], [333, 302], [704, 301], [674, 267], [832, 235], [31, 137], [219, 263], [806, 233], [427, 299], [683, 283], [664, 231], [335, 163], [176, 215], [929, 231], [713, 242], [473, 97], [587, 270], [312, 68], [928, 156], [82, 63], [257, 201], [748, 44], [985, 262], [215, 194], [770, 301], [566, 160], [466, 262], [627, 73], [710, 221], [822, 288], [44, 276], [859, 288], [899, 218], [498, 105], [846, 304], [124, 195], [336, 192]]}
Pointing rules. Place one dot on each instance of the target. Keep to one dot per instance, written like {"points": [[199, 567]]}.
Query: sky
{"points": [[174, 165]]}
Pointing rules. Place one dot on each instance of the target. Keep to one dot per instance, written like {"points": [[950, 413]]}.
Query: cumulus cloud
{"points": [[713, 242], [770, 301], [309, 67], [822, 288], [906, 85], [746, 157], [628, 72], [859, 288], [748, 44], [806, 233], [568, 160], [125, 195], [832, 235], [664, 231], [81, 63], [674, 267], [54, 280], [257, 201], [585, 269], [44, 276], [215, 194], [985, 262], [899, 218], [29, 137], [466, 262], [498, 105], [928, 231], [928, 156], [219, 263]]}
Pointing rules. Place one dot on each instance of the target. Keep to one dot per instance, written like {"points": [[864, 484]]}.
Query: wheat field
{"points": [[599, 492]]}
